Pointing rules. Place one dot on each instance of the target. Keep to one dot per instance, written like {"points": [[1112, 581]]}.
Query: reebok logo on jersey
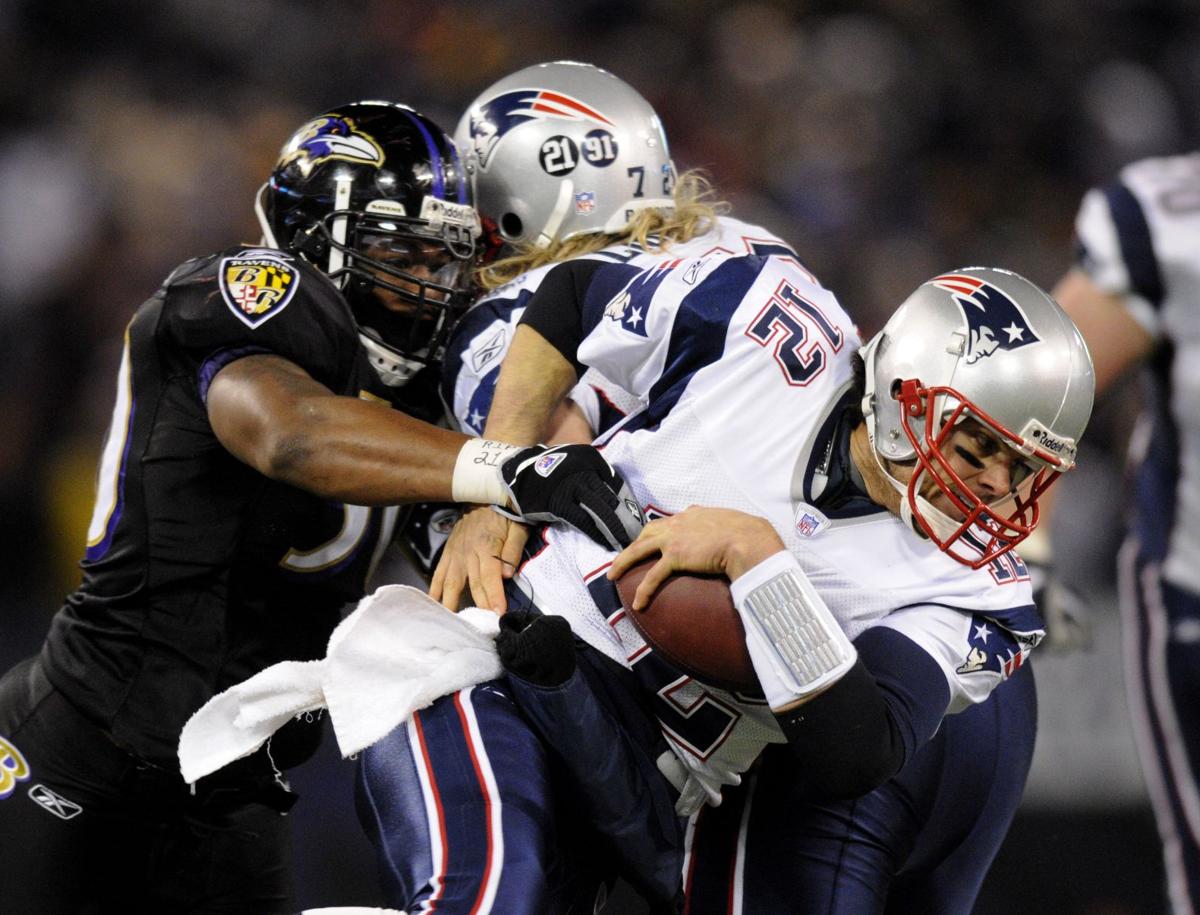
{"points": [[257, 285], [54, 802], [544, 466], [13, 768], [489, 350], [994, 321]]}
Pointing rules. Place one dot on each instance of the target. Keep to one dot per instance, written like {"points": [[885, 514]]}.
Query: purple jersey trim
{"points": [[217, 361], [96, 552]]}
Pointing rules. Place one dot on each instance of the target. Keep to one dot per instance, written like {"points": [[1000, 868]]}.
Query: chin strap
{"points": [[566, 190], [394, 369], [943, 525]]}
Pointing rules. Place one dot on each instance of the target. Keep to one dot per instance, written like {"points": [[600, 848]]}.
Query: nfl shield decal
{"points": [[257, 285]]}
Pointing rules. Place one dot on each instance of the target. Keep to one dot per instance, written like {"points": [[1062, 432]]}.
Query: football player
{"points": [[886, 500], [263, 435], [1133, 292]]}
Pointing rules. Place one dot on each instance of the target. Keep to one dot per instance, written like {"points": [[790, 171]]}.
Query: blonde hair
{"points": [[695, 212]]}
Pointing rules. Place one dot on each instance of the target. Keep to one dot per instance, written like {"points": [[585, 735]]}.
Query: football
{"points": [[691, 621]]}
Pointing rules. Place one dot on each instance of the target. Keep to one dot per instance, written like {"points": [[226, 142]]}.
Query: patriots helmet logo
{"points": [[329, 138], [994, 321], [496, 117]]}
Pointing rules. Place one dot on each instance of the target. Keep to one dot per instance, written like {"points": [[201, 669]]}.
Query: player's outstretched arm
{"points": [[271, 414], [534, 382], [484, 548]]}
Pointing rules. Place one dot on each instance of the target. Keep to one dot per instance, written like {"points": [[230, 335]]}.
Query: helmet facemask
{"points": [[986, 353], [374, 195], [979, 531], [372, 256]]}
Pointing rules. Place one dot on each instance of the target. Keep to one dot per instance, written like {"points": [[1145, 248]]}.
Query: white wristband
{"points": [[795, 644], [477, 472]]}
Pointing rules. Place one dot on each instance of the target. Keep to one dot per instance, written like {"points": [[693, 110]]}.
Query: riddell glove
{"points": [[575, 484]]}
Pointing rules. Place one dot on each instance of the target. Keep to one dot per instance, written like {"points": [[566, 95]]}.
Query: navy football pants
{"points": [[920, 843], [460, 803], [460, 806], [1161, 644]]}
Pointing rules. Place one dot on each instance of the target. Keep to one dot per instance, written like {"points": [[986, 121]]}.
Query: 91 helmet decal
{"points": [[490, 121], [374, 194], [961, 348], [563, 149]]}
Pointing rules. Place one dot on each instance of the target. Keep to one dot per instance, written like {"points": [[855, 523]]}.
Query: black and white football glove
{"points": [[575, 484]]}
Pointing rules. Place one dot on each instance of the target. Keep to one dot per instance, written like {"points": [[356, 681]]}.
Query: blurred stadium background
{"points": [[888, 140]]}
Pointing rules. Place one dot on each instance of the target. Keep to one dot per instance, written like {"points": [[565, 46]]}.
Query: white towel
{"points": [[395, 654]]}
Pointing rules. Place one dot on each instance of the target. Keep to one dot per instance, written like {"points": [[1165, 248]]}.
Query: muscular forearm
{"points": [[273, 416], [534, 381], [365, 454]]}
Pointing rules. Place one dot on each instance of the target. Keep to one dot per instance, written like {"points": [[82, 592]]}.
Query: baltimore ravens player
{"points": [[975, 395], [247, 486], [1134, 292]]}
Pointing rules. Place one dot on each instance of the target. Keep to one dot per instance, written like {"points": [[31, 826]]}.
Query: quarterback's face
{"points": [[990, 469]]}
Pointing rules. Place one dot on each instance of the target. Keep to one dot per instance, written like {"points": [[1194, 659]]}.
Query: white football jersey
{"points": [[1140, 239], [482, 338], [740, 361]]}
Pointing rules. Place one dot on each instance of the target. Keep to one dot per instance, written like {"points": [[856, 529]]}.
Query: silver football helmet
{"points": [[988, 345], [560, 149]]}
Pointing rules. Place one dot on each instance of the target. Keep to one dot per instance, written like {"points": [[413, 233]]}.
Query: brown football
{"points": [[691, 621]]}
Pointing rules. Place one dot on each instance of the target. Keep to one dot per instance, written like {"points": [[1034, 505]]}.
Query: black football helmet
{"points": [[374, 195]]}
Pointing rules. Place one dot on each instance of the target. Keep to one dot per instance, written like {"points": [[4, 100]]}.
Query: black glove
{"points": [[575, 484], [538, 649]]}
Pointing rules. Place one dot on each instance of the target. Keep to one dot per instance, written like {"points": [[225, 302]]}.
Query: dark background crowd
{"points": [[888, 140]]}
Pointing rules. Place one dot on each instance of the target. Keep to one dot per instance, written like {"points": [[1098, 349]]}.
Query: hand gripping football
{"points": [[691, 621]]}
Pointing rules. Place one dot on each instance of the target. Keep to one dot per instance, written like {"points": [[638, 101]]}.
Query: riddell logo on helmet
{"points": [[498, 116], [1052, 444], [1043, 438], [994, 321]]}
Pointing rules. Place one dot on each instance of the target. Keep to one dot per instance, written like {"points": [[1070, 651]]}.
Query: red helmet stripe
{"points": [[569, 103]]}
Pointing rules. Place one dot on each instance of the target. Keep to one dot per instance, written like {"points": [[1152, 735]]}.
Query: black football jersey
{"points": [[200, 571]]}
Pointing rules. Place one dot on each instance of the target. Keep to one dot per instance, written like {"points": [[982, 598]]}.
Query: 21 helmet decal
{"points": [[994, 320], [491, 120], [564, 149]]}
